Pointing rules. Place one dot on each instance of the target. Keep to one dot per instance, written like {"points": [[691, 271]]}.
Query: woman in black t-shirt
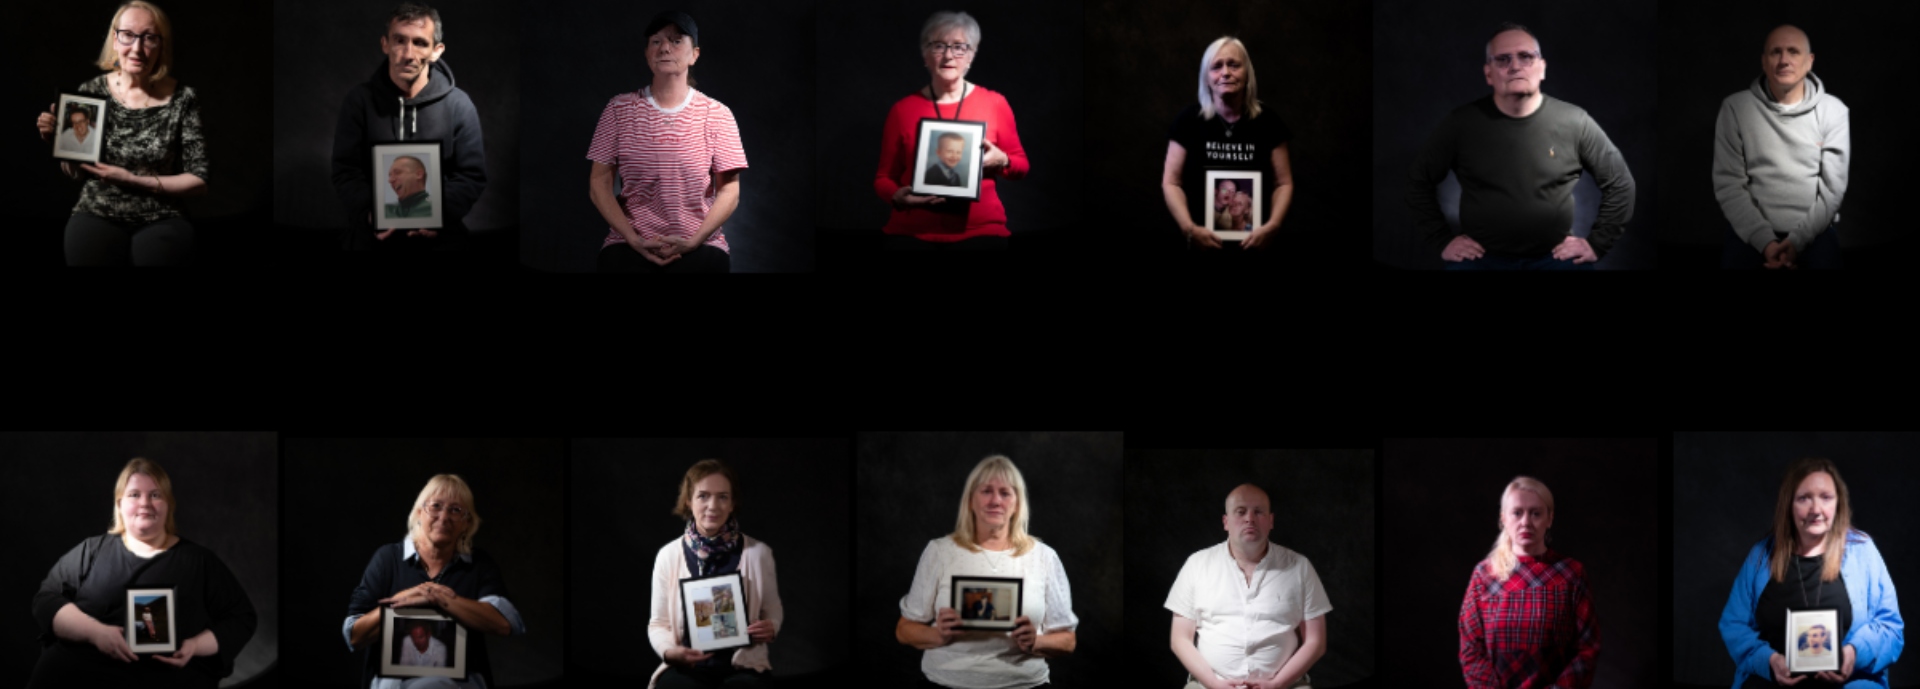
{"points": [[1227, 130]]}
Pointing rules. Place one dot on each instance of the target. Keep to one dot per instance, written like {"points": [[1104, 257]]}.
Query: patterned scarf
{"points": [[717, 555]]}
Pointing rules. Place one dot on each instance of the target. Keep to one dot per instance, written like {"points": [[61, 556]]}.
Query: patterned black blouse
{"points": [[161, 140]]}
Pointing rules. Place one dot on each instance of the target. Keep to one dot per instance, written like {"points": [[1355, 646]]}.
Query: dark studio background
{"points": [[793, 495], [1030, 52], [212, 41], [755, 57], [226, 489], [345, 498], [1442, 514], [1312, 63], [1323, 507], [1427, 60], [323, 50], [1716, 46], [910, 486], [1724, 489]]}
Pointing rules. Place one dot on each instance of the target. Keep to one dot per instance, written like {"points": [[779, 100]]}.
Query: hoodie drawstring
{"points": [[403, 126]]}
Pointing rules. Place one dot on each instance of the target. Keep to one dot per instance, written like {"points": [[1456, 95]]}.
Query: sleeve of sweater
{"points": [[351, 183], [1599, 156], [1878, 642], [770, 608], [1730, 182], [1836, 150], [229, 612], [1007, 136], [1579, 672], [52, 595], [1476, 667], [893, 160], [1429, 169], [466, 172], [1738, 628], [660, 628]]}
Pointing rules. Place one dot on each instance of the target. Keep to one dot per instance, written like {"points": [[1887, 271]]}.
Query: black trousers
{"points": [[901, 242], [95, 241], [620, 258], [721, 677]]}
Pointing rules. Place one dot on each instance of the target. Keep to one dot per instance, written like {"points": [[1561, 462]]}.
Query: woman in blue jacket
{"points": [[1825, 564]]}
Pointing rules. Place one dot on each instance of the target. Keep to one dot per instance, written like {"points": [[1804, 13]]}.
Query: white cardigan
{"points": [[763, 599]]}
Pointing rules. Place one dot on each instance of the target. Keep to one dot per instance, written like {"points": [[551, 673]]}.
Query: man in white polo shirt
{"points": [[1258, 607]]}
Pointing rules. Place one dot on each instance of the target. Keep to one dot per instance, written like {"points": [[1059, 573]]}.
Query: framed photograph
{"points": [[1813, 640], [987, 602], [406, 185], [422, 642], [79, 125], [150, 627], [946, 161], [715, 609], [1234, 206]]}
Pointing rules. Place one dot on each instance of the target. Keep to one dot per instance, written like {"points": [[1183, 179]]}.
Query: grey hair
{"points": [[1206, 94], [942, 22], [1510, 26]]}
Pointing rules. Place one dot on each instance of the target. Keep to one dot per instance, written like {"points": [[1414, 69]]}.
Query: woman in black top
{"points": [[434, 566], [1227, 130], [82, 605]]}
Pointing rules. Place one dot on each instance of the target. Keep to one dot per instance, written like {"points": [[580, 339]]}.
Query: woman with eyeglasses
{"points": [[154, 155], [435, 566], [1228, 129], [948, 44], [677, 152]]}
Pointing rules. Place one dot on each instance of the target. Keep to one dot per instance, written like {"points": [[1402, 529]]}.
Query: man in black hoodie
{"points": [[411, 97]]}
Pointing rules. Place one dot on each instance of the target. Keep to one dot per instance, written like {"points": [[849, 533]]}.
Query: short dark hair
{"points": [[410, 11], [1511, 26]]}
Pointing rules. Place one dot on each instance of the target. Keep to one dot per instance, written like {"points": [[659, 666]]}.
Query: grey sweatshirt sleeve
{"points": [[1425, 176], [1836, 150], [1610, 173], [1730, 183]]}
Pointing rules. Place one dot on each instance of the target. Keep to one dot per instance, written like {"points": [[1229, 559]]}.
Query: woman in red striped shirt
{"points": [[948, 43], [679, 157]]}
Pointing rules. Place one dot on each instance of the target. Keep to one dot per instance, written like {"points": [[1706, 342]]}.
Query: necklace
{"points": [[1223, 120], [964, 89], [1818, 589]]}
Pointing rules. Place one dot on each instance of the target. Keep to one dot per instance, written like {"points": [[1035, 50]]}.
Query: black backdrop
{"points": [[793, 495], [346, 498], [1441, 505], [1720, 43], [1323, 509], [227, 497], [755, 57], [910, 485], [869, 58], [1724, 487], [1426, 62], [1312, 62], [322, 50], [62, 39]]}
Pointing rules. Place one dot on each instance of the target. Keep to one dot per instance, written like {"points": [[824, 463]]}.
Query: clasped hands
{"points": [[427, 593], [1781, 254], [1778, 663], [1271, 682], [663, 251]]}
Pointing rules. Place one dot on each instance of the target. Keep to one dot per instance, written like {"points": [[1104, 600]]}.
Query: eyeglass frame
{"points": [[958, 49], [454, 510], [154, 39], [1524, 57]]}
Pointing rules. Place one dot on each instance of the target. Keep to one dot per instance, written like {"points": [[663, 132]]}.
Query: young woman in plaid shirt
{"points": [[1527, 620]]}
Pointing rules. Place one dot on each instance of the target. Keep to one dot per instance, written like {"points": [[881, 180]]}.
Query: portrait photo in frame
{"points": [[987, 602], [1813, 640], [406, 186], [715, 611], [422, 642], [79, 127], [150, 626], [1234, 206], [946, 158]]}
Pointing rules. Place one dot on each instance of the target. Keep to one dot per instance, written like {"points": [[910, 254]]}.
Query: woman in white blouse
{"points": [[712, 544], [989, 539]]}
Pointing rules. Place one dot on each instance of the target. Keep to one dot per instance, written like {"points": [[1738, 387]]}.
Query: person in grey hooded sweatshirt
{"points": [[411, 96], [1780, 162]]}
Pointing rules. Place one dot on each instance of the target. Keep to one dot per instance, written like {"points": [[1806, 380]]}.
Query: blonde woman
{"points": [[435, 566], [711, 544], [989, 539], [1527, 619], [1229, 129], [82, 605]]}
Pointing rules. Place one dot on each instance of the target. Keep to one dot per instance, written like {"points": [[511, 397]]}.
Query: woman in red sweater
{"points": [[1527, 620], [948, 43]]}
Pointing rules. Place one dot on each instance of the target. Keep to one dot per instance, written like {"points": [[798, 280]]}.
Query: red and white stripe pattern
{"points": [[667, 161]]}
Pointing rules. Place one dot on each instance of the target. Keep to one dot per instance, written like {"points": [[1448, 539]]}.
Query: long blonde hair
{"points": [[1785, 535], [142, 465], [1501, 560], [110, 60], [996, 466]]}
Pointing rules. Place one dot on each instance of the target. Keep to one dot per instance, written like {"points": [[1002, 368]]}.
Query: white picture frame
{"points": [[1244, 182], [67, 144], [934, 141], [446, 642], [1813, 640], [391, 176], [150, 620], [987, 602], [715, 611]]}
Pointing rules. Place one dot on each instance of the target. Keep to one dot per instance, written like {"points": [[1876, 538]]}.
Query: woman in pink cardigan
{"points": [[711, 545]]}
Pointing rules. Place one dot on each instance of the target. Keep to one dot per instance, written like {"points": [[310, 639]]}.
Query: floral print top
{"points": [[160, 140]]}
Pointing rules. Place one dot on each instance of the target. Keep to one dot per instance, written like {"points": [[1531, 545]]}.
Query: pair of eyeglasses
{"points": [[958, 49], [455, 510], [130, 38], [1523, 57]]}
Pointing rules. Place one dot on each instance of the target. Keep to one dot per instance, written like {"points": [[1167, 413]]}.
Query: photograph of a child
{"points": [[949, 166], [423, 643], [150, 619], [985, 604], [78, 128], [947, 158]]}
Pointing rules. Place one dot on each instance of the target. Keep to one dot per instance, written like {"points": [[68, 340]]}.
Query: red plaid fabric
{"points": [[1533, 631]]}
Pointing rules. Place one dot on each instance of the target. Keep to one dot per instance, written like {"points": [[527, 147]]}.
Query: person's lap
{"points": [[1492, 261], [620, 258], [712, 678], [91, 240]]}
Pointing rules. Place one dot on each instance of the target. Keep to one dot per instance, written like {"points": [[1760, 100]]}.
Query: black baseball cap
{"points": [[677, 19]]}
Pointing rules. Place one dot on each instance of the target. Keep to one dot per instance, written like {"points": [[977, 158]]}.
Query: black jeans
{"points": [[620, 258], [95, 241], [901, 242], [719, 677]]}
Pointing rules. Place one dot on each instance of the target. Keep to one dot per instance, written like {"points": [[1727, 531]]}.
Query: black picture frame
{"points": [[150, 625], [64, 147], [929, 140], [426, 212], [1003, 596], [396, 633], [715, 612]]}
